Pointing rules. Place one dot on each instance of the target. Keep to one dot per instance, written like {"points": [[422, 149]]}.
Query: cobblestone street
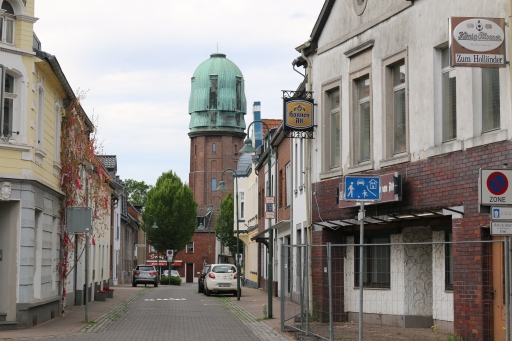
{"points": [[163, 313]]}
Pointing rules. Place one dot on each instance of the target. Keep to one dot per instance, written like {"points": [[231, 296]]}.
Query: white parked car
{"points": [[222, 278]]}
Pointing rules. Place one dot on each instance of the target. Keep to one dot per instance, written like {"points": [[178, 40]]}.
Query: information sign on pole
{"points": [[362, 188], [269, 207], [501, 228], [170, 254]]}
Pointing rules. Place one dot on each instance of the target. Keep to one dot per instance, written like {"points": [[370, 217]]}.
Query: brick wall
{"points": [[429, 185], [201, 243]]}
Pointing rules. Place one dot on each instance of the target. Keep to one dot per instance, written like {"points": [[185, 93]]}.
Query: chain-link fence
{"points": [[433, 290]]}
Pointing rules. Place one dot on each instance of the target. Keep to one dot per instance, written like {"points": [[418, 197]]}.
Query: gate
{"points": [[411, 290]]}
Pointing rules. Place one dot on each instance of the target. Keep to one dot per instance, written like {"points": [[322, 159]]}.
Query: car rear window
{"points": [[224, 269], [145, 268]]}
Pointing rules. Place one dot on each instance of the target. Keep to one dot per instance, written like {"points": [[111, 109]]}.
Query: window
{"points": [[190, 247], [288, 184], [490, 99], [362, 119], [40, 118], [376, 262], [214, 149], [241, 195], [9, 96], [334, 122], [238, 94], [449, 97], [213, 91], [399, 111], [214, 184], [280, 186], [301, 169], [448, 262], [7, 23]]}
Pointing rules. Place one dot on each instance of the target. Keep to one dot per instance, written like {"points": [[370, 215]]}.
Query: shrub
{"points": [[172, 280]]}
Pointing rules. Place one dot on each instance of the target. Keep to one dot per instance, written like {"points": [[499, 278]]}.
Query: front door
{"points": [[189, 271], [498, 280]]}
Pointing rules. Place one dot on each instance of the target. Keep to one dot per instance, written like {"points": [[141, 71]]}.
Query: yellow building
{"points": [[34, 93]]}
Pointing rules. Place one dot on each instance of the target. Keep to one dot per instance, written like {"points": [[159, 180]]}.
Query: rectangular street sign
{"points": [[501, 228], [269, 207], [362, 188], [501, 213], [78, 219]]}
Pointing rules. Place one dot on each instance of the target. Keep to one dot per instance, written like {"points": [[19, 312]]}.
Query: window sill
{"points": [[333, 173], [372, 288], [486, 138], [14, 146], [445, 148], [368, 165], [11, 48], [396, 159]]}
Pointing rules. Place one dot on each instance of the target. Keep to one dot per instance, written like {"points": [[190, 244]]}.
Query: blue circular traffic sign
{"points": [[497, 183]]}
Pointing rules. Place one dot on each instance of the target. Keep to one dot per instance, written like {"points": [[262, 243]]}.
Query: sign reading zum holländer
{"points": [[501, 228], [477, 42], [298, 114]]}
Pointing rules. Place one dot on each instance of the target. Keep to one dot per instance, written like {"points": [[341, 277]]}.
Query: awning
{"points": [[156, 262], [260, 237], [177, 263], [281, 224]]}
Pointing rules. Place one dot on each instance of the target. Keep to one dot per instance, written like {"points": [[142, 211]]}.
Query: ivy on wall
{"points": [[84, 181]]}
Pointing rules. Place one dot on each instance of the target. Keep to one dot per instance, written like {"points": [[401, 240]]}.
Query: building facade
{"points": [[390, 102]]}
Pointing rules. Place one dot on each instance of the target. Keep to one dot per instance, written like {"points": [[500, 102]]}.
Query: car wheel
{"points": [[234, 294], [206, 291], [156, 284], [199, 288], [134, 284]]}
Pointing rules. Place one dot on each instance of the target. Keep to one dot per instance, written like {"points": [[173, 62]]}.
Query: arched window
{"points": [[7, 23]]}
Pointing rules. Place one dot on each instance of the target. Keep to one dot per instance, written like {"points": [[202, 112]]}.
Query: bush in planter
{"points": [[172, 280], [109, 291]]}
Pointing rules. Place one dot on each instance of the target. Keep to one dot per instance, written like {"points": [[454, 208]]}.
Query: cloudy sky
{"points": [[136, 58]]}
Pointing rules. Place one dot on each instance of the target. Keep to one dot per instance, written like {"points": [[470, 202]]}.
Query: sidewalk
{"points": [[74, 319], [254, 300]]}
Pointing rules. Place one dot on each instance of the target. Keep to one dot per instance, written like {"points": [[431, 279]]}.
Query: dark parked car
{"points": [[200, 279], [145, 274]]}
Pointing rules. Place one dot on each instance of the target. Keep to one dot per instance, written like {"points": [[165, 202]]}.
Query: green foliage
{"points": [[171, 204], [224, 229], [454, 337], [173, 280], [137, 191]]}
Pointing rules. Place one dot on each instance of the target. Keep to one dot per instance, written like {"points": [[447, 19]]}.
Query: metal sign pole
{"points": [[361, 268], [507, 288], [86, 277]]}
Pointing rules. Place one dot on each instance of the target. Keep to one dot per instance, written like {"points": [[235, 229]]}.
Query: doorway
{"points": [[498, 280], [189, 273], [9, 225]]}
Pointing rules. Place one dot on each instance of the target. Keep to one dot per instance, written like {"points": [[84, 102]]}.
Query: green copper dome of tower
{"points": [[217, 98]]}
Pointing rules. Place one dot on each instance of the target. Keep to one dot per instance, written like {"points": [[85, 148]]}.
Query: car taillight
{"points": [[235, 276], [211, 275], [136, 272], [153, 273]]}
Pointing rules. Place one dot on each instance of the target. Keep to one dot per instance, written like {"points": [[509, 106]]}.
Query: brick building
{"points": [[389, 101], [217, 107]]}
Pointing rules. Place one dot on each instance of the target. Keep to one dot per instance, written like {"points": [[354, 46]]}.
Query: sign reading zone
{"points": [[494, 188]]}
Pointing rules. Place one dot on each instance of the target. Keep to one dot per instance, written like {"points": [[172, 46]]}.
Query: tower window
{"points": [[213, 91], [238, 93], [214, 149]]}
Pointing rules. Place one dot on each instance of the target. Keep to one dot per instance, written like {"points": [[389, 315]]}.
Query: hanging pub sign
{"points": [[298, 114], [477, 42]]}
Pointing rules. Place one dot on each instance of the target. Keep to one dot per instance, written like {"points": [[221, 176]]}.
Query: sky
{"points": [[135, 60]]}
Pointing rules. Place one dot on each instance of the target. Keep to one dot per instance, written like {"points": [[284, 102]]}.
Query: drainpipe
{"points": [[307, 179]]}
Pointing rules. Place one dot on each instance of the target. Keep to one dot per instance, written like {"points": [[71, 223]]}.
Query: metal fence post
{"points": [[300, 271], [361, 268], [507, 288], [329, 276], [283, 281], [306, 264]]}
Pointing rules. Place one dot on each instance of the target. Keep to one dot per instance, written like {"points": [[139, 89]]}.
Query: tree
{"points": [[172, 206], [137, 191], [224, 228]]}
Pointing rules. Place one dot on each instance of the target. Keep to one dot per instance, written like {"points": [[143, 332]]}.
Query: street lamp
{"points": [[222, 187], [248, 148], [202, 227], [145, 240]]}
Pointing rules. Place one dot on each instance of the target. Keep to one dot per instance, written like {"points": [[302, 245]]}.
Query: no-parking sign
{"points": [[495, 187]]}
